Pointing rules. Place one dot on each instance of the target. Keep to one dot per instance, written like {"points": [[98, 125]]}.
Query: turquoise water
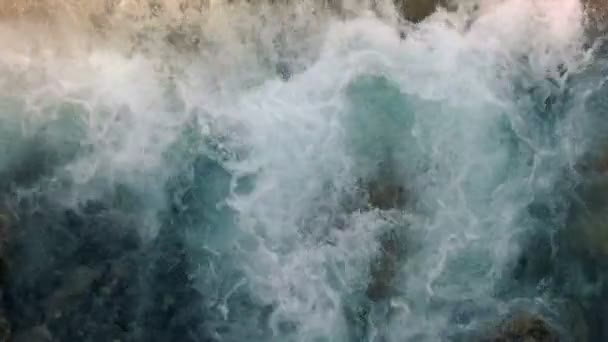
{"points": [[265, 176]]}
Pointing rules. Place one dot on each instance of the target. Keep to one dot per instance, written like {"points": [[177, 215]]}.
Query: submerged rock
{"points": [[384, 269], [173, 308], [582, 252], [101, 284], [4, 225], [58, 267], [384, 192], [523, 327], [575, 322], [4, 238], [586, 231], [5, 325], [76, 285]]}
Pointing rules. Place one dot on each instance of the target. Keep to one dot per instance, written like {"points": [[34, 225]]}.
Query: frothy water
{"points": [[268, 135]]}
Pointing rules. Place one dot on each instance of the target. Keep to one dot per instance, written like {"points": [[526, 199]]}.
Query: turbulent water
{"points": [[301, 172]]}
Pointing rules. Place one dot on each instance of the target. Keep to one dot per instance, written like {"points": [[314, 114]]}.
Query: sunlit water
{"points": [[253, 137]]}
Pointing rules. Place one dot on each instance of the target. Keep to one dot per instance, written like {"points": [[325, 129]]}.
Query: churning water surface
{"points": [[327, 174]]}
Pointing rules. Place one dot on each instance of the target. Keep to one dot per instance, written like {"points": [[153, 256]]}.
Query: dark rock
{"points": [[384, 192], [575, 322], [464, 312], [184, 39], [60, 261], [384, 189], [5, 329], [596, 314], [109, 309], [386, 196], [83, 273], [586, 232], [36, 334], [536, 261], [283, 70], [4, 226], [357, 316]]}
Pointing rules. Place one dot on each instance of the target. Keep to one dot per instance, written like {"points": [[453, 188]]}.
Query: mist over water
{"points": [[301, 171]]}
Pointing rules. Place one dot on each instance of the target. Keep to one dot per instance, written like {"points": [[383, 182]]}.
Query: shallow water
{"points": [[225, 156]]}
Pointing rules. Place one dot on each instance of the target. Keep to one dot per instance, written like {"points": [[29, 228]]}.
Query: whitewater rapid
{"points": [[254, 136]]}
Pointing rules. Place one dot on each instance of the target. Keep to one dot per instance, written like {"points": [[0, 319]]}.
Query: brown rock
{"points": [[417, 10], [523, 327], [15, 9], [597, 11]]}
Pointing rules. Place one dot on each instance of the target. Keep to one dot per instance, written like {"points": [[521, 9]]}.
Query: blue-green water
{"points": [[336, 181]]}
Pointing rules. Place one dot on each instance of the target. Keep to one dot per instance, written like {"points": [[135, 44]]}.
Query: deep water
{"points": [[298, 173]]}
